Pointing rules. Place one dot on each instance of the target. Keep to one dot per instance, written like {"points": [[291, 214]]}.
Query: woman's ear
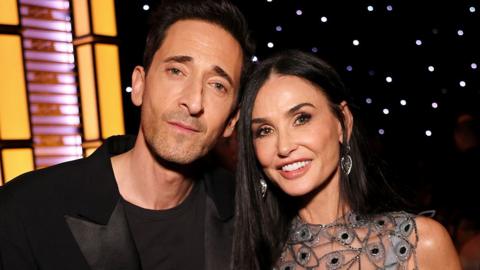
{"points": [[347, 120]]}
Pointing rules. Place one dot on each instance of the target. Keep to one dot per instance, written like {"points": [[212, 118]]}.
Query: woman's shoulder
{"points": [[429, 240], [432, 234], [435, 249]]}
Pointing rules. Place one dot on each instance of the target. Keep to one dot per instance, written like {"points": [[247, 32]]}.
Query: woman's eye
{"points": [[303, 118], [262, 132]]}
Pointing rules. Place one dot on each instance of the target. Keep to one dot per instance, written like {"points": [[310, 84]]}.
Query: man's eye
{"points": [[219, 87], [303, 118], [174, 71]]}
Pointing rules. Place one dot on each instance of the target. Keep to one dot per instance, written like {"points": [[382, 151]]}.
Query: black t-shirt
{"points": [[171, 239]]}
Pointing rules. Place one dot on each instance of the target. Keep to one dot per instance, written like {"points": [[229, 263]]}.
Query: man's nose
{"points": [[192, 98]]}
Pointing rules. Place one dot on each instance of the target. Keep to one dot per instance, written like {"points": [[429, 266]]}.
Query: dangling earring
{"points": [[346, 161], [263, 187]]}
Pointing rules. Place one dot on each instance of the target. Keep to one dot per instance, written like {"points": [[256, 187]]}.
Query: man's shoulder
{"points": [[65, 178], [42, 183]]}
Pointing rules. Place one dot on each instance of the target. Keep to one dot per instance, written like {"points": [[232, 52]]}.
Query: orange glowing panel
{"points": [[103, 17], [88, 96], [109, 90], [8, 12], [14, 120], [16, 162], [81, 17], [89, 151]]}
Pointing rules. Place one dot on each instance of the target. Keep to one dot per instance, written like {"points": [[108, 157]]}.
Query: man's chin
{"points": [[178, 155]]}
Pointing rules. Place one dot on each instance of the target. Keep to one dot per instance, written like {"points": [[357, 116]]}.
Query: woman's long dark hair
{"points": [[262, 224]]}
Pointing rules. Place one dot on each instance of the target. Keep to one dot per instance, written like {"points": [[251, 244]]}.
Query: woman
{"points": [[303, 199]]}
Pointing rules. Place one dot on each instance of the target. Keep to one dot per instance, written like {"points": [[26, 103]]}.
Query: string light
{"points": [[375, 71]]}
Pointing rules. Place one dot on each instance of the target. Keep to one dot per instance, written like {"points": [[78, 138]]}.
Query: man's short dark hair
{"points": [[220, 12]]}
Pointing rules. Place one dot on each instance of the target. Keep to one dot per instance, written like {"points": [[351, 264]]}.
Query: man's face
{"points": [[189, 90]]}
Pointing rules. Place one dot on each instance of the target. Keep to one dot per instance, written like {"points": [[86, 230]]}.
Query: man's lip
{"points": [[184, 126]]}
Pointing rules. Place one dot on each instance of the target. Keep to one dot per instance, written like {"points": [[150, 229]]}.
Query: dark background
{"points": [[422, 166]]}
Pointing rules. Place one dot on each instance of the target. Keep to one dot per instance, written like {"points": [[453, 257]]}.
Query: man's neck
{"points": [[145, 182]]}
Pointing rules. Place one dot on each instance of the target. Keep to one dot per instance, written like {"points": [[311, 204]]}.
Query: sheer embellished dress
{"points": [[386, 241]]}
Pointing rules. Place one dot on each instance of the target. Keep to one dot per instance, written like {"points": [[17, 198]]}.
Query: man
{"points": [[147, 202]]}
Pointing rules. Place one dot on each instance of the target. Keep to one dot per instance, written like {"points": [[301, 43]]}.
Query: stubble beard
{"points": [[173, 147]]}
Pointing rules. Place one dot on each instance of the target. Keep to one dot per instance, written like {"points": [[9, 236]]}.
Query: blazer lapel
{"points": [[218, 239], [106, 247], [219, 212]]}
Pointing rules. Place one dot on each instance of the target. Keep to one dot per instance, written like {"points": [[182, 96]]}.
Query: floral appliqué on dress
{"points": [[387, 241]]}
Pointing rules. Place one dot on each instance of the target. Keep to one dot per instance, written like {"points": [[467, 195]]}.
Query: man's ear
{"points": [[138, 85], [347, 120], [231, 124]]}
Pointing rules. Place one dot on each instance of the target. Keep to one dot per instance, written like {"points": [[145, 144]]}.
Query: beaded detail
{"points": [[387, 242]]}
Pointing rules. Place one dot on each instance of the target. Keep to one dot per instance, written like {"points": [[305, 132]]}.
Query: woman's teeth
{"points": [[294, 166]]}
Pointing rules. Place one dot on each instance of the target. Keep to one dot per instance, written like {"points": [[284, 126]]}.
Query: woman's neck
{"points": [[323, 206]]}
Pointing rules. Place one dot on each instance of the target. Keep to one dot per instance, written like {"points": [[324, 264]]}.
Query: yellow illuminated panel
{"points": [[103, 17], [8, 12], [89, 151], [81, 17], [87, 92], [109, 90], [16, 162], [14, 120]]}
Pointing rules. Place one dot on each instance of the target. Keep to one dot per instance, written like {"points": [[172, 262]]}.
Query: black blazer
{"points": [[69, 217]]}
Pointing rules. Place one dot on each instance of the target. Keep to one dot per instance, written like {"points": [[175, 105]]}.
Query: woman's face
{"points": [[296, 135]]}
